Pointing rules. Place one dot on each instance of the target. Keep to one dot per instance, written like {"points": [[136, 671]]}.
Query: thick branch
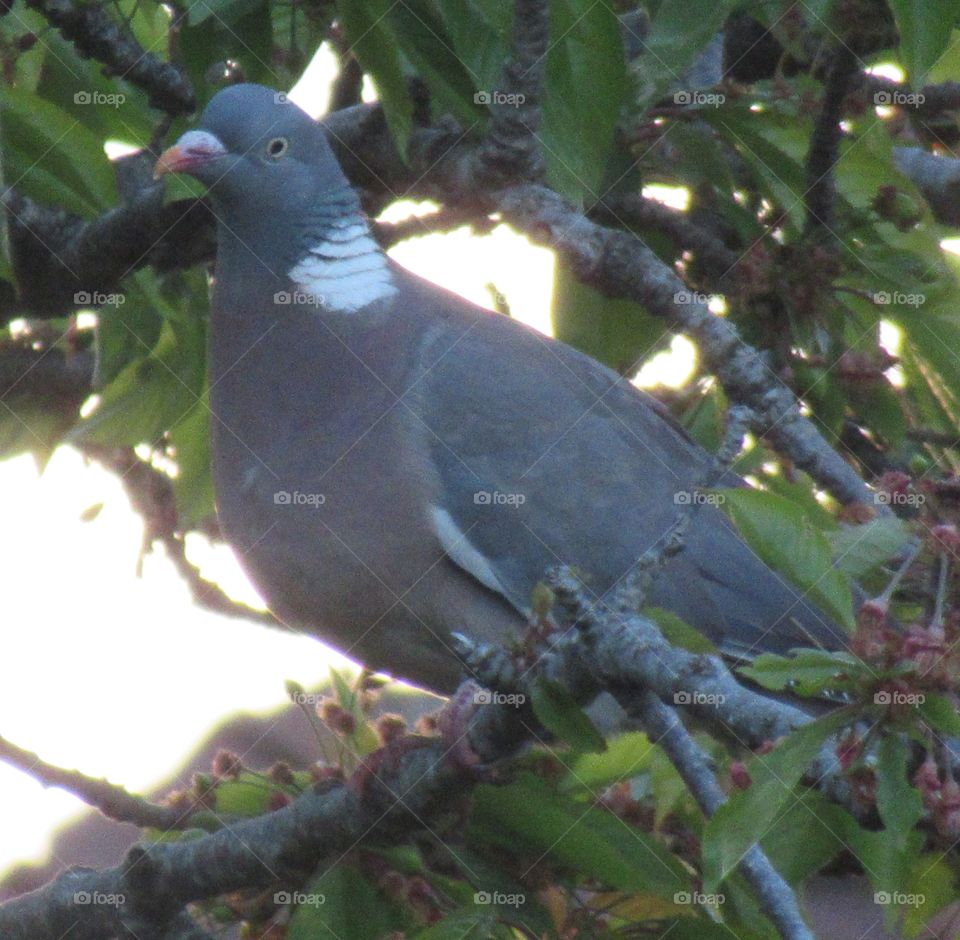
{"points": [[825, 141], [511, 149], [96, 35]]}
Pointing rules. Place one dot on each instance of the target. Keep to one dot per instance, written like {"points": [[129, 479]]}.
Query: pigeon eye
{"points": [[277, 147]]}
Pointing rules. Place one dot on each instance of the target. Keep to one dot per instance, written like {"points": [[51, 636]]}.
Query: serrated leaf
{"points": [[748, 815], [54, 143], [798, 858], [341, 903], [422, 35], [530, 815], [586, 87], [471, 925], [625, 756], [679, 633], [225, 11], [808, 672], [562, 716], [370, 38], [678, 33], [248, 796], [898, 803], [618, 333], [940, 712], [782, 536], [193, 484], [924, 27], [858, 549]]}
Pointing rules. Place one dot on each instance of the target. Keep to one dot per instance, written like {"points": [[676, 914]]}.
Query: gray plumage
{"points": [[437, 457]]}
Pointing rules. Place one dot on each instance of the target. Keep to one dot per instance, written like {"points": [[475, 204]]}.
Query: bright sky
{"points": [[119, 675]]}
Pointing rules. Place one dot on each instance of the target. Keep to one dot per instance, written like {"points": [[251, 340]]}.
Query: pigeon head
{"points": [[256, 151], [281, 199]]}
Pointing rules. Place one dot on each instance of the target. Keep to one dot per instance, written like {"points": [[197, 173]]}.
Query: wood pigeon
{"points": [[393, 464]]}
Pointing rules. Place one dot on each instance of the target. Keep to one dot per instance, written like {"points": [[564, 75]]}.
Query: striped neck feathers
{"points": [[342, 268]]}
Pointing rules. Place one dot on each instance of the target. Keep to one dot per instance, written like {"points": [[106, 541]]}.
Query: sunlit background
{"points": [[118, 674]]}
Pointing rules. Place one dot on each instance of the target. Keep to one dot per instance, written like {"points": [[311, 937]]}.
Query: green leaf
{"points": [[625, 756], [193, 484], [939, 712], [560, 714], [924, 27], [679, 633], [341, 903], [749, 815], [808, 672], [42, 141], [586, 86], [246, 38], [782, 536], [29, 427], [678, 33], [225, 11], [248, 795], [858, 549], [888, 866], [530, 816], [463, 925], [932, 879], [479, 31], [774, 146], [367, 29], [798, 858], [364, 739], [618, 333], [153, 393], [898, 803], [422, 36]]}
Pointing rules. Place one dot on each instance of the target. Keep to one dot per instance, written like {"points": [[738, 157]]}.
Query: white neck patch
{"points": [[345, 271]]}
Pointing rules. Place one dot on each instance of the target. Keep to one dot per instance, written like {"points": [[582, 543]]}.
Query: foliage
{"points": [[593, 839]]}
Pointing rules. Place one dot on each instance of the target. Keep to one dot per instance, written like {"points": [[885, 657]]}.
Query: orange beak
{"points": [[192, 150]]}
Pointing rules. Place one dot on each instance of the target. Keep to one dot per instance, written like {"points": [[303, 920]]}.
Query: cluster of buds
{"points": [[411, 891], [941, 797]]}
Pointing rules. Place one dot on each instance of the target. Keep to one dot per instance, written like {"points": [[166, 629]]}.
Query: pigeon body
{"points": [[393, 464]]}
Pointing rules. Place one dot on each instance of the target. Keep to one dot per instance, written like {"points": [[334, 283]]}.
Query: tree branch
{"points": [[96, 35], [113, 801]]}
